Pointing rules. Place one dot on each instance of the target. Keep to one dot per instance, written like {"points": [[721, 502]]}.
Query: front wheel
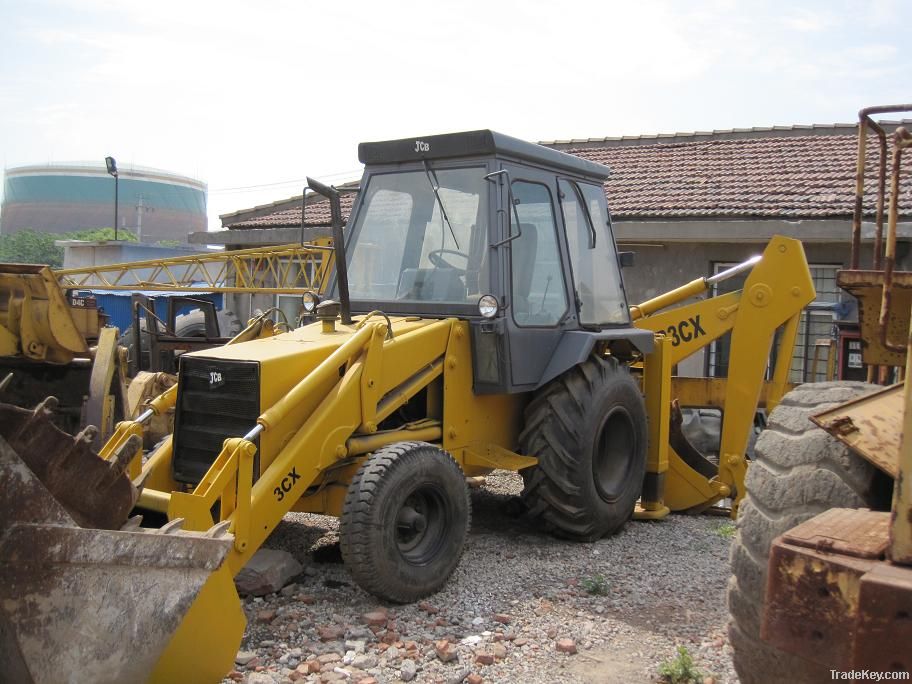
{"points": [[588, 430], [405, 521]]}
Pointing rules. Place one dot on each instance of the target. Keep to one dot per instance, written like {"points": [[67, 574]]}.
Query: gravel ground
{"points": [[518, 600]]}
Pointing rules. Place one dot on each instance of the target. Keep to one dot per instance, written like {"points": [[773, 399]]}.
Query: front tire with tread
{"points": [[588, 430], [405, 521]]}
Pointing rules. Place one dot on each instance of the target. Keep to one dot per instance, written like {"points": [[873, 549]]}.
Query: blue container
{"points": [[117, 305]]}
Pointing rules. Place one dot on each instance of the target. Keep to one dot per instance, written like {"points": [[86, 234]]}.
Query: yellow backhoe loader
{"points": [[477, 321]]}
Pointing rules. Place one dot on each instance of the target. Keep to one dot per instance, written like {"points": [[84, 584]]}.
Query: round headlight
{"points": [[487, 306], [310, 301]]}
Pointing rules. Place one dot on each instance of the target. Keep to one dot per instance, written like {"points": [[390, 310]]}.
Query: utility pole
{"points": [[111, 165]]}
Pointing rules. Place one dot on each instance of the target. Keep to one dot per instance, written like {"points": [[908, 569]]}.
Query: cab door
{"points": [[539, 307]]}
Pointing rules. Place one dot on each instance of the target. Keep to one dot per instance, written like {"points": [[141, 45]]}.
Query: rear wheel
{"points": [[798, 471], [588, 430], [405, 521]]}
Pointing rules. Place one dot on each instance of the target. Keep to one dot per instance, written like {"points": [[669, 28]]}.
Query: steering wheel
{"points": [[435, 256]]}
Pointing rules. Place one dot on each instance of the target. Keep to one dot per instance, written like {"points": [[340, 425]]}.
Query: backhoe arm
{"points": [[776, 291]]}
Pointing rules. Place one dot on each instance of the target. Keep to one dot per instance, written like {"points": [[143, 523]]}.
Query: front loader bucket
{"points": [[123, 604]]}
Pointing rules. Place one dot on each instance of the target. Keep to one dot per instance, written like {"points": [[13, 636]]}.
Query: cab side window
{"points": [[539, 295], [596, 273]]}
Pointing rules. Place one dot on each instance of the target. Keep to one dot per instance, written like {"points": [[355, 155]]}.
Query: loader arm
{"points": [[330, 420], [777, 289]]}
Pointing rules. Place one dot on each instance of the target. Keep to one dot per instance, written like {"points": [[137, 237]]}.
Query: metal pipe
{"points": [[694, 287], [254, 433], [154, 500], [335, 207], [901, 139], [734, 270], [145, 416], [363, 445], [864, 122]]}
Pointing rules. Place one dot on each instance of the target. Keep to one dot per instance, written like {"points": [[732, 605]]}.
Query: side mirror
{"points": [[627, 259]]}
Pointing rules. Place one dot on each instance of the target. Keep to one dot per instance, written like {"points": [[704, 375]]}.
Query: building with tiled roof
{"points": [[690, 204]]}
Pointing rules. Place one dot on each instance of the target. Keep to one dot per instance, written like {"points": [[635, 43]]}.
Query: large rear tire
{"points": [[405, 520], [588, 430], [798, 471]]}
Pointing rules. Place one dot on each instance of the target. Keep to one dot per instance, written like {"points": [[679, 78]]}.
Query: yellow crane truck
{"points": [[477, 321]]}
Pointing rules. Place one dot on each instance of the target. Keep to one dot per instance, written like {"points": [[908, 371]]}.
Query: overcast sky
{"points": [[244, 94]]}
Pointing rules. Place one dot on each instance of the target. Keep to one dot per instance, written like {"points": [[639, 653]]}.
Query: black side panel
{"points": [[216, 399], [576, 345], [490, 357]]}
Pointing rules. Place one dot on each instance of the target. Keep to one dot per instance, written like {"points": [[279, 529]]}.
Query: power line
{"points": [[354, 173]]}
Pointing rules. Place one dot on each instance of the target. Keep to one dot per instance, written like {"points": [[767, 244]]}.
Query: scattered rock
{"points": [[428, 608], [266, 615], [445, 651], [244, 657], [266, 572], [408, 670], [330, 633], [566, 646], [364, 661], [484, 658], [375, 619], [503, 618], [259, 678], [499, 651], [474, 679]]}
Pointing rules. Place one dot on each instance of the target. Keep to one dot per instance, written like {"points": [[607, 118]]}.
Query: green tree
{"points": [[31, 246]]}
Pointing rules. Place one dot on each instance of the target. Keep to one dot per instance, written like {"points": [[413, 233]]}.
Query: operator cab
{"points": [[513, 237]]}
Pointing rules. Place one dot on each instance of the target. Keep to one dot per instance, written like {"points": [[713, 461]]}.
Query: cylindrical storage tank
{"points": [[59, 198]]}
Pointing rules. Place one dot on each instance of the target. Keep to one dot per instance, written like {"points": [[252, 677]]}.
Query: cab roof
{"points": [[476, 144]]}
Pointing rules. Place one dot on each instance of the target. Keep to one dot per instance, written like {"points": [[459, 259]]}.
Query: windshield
{"points": [[411, 244]]}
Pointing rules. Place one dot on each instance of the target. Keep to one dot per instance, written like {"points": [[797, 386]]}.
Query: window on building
{"points": [[816, 323]]}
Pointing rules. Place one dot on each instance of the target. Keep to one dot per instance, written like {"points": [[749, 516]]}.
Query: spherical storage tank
{"points": [[59, 198]]}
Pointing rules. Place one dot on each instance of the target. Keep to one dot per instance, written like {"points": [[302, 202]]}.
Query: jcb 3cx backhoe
{"points": [[478, 321]]}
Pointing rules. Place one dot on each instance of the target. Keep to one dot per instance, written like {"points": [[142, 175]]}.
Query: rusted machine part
{"points": [[901, 140], [833, 599], [871, 426], [99, 604], [687, 451], [95, 493], [867, 288], [864, 123]]}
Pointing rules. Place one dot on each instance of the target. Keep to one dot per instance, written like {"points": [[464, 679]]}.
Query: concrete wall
{"points": [[82, 253], [663, 265]]}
